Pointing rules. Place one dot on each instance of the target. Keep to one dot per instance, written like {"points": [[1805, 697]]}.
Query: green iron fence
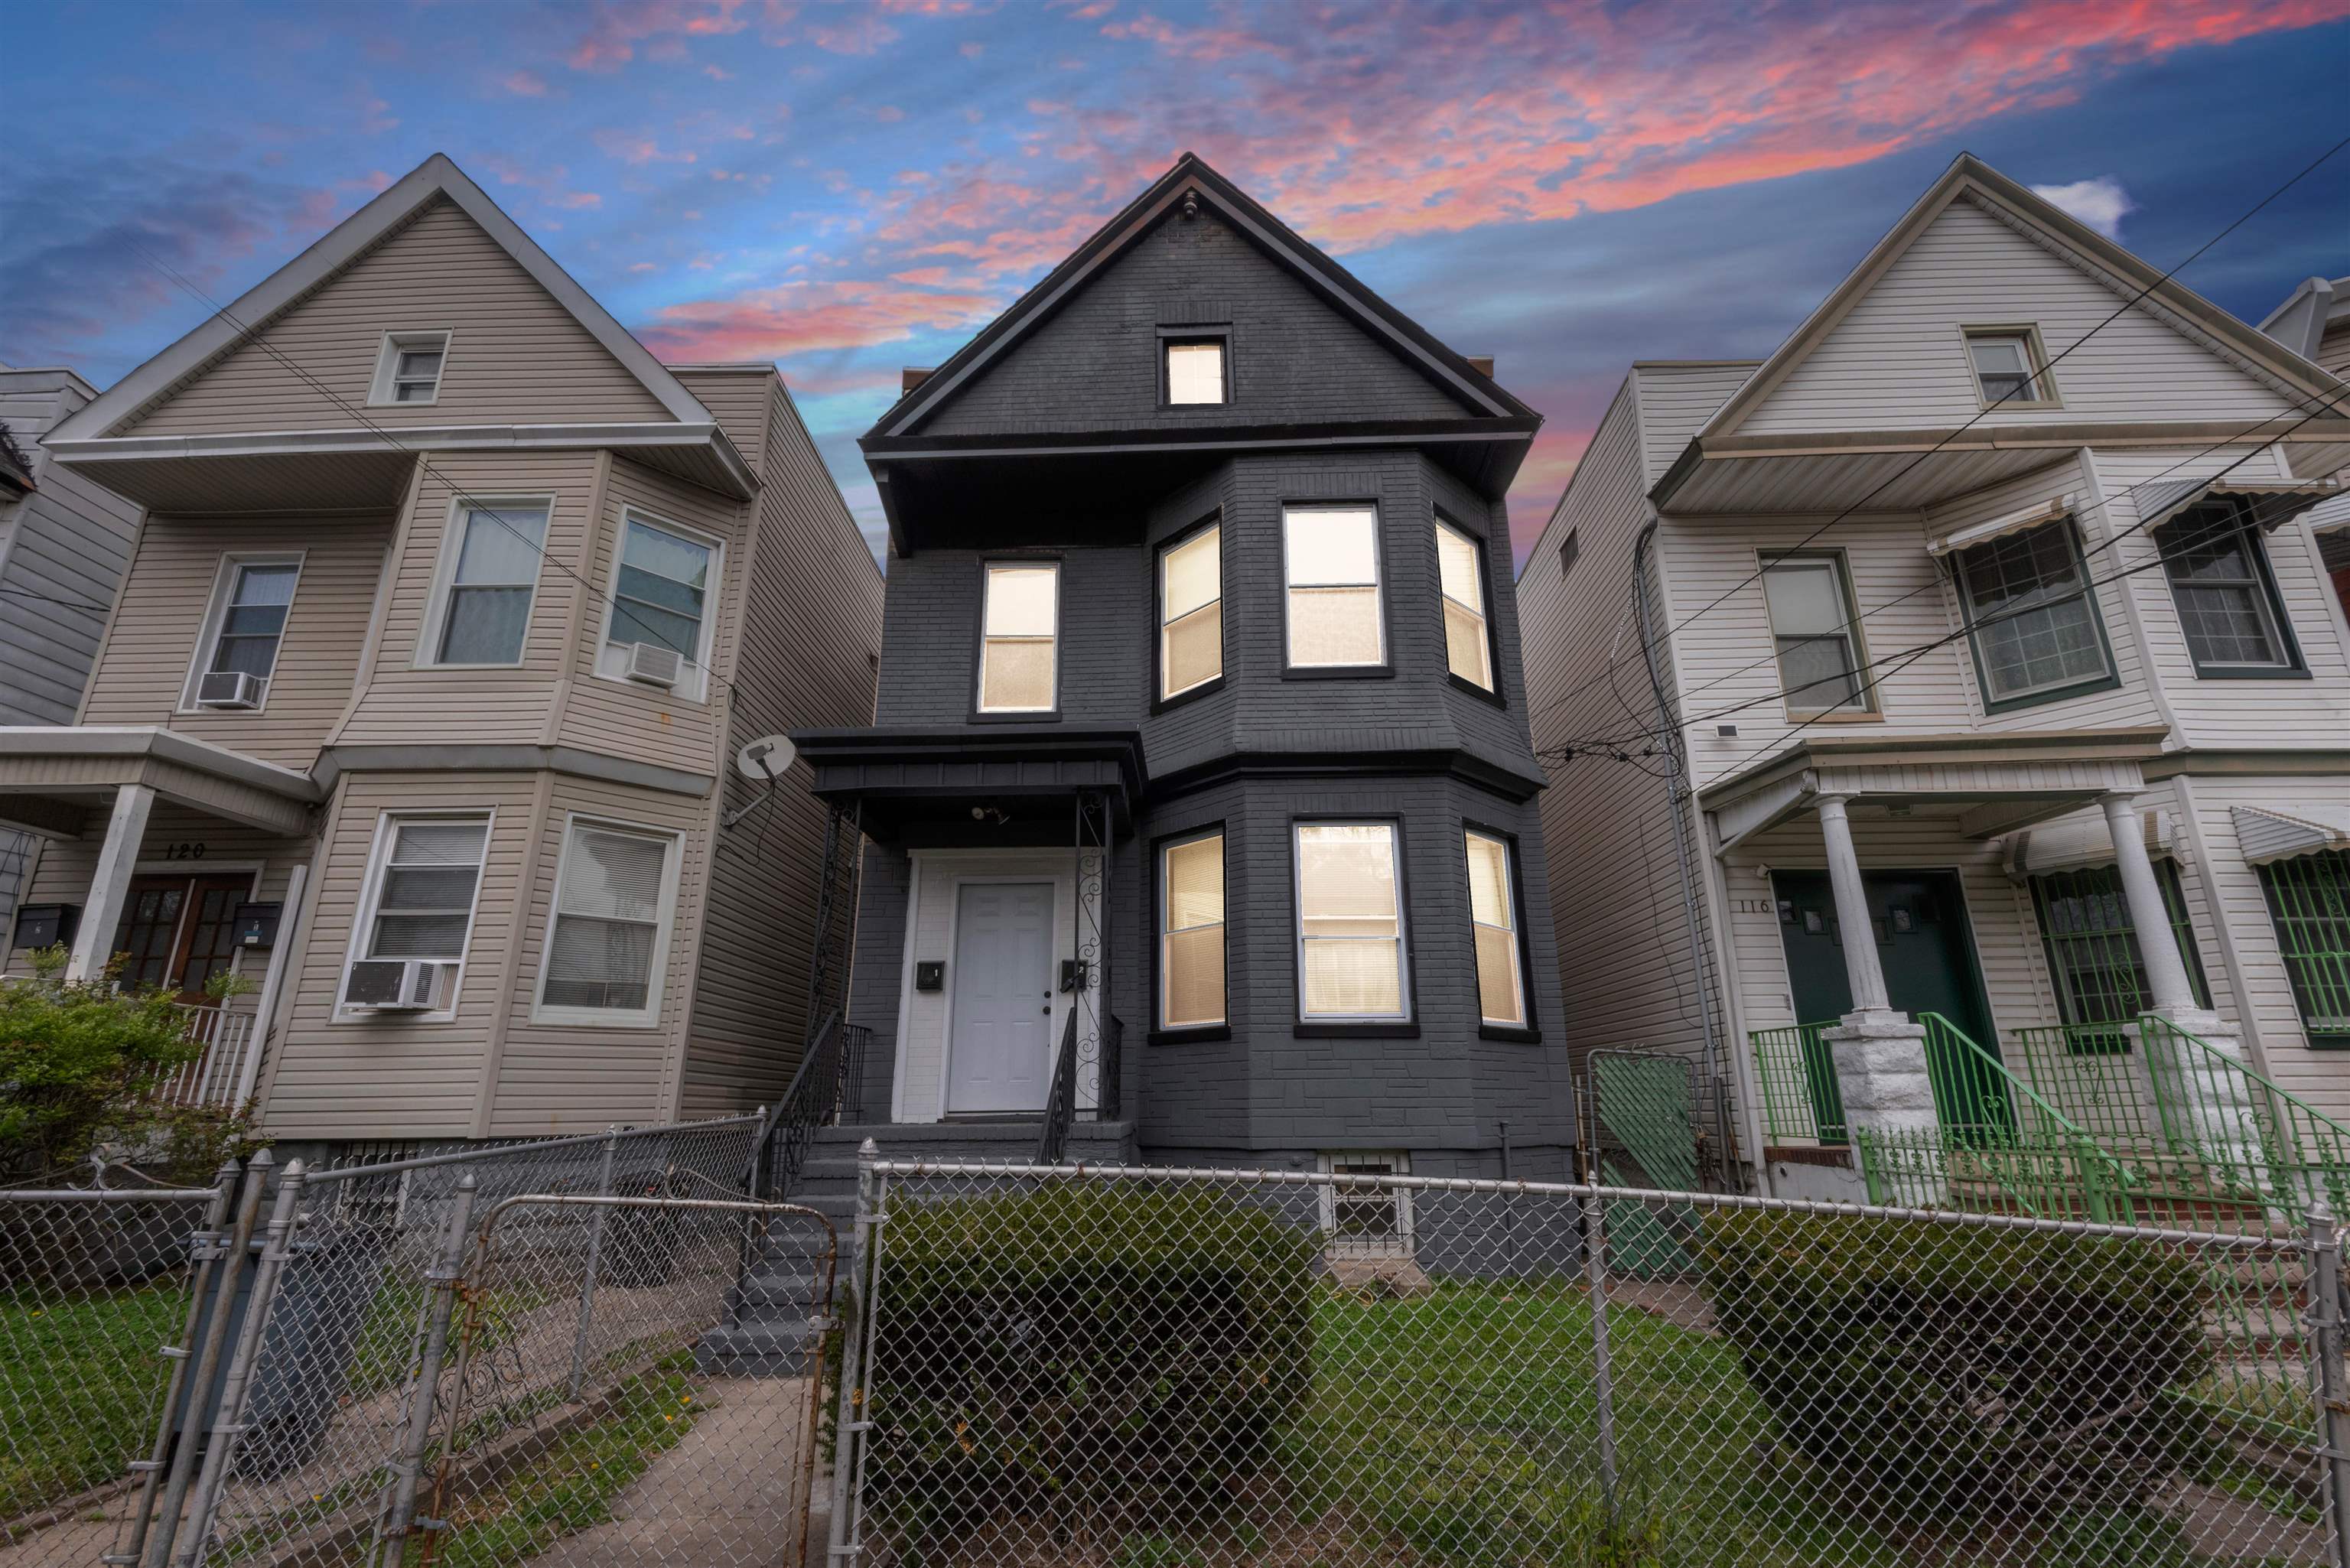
{"points": [[1801, 1101]]}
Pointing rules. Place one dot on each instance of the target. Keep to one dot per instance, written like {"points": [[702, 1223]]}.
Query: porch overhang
{"points": [[1911, 469], [1985, 784], [971, 783], [54, 776]]}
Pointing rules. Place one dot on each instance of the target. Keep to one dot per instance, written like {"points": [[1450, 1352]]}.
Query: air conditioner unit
{"points": [[654, 664], [229, 688], [399, 985]]}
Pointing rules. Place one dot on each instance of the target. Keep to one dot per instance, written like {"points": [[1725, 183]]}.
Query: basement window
{"points": [[407, 367]]}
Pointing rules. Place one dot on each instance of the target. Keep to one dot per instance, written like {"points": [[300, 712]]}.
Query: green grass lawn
{"points": [[82, 1386]]}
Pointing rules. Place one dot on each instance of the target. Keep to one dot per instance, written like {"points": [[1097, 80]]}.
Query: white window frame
{"points": [[381, 389], [693, 680], [378, 858], [664, 928], [1221, 344], [1404, 1000], [1509, 908], [1167, 623], [427, 654], [987, 570], [1167, 933], [231, 563], [1400, 1245], [1377, 585], [1482, 610], [2035, 360]]}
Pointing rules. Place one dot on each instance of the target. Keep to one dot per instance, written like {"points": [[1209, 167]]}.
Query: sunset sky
{"points": [[848, 188]]}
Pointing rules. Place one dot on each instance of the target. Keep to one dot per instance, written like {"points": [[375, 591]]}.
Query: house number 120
{"points": [[184, 851]]}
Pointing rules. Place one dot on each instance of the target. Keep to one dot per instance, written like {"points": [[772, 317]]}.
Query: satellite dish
{"points": [[766, 758]]}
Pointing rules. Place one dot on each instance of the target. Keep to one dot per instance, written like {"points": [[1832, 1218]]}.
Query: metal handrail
{"points": [[2306, 1152], [828, 1086], [1061, 1102], [1801, 1097]]}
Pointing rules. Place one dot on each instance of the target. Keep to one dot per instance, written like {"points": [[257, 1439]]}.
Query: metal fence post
{"points": [[207, 1248], [443, 1278], [844, 1542], [236, 1387], [1603, 1385], [594, 1254], [157, 1543], [2333, 1388]]}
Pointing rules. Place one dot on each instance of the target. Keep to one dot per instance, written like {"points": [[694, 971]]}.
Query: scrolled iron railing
{"points": [[1061, 1099], [827, 1089], [1801, 1102]]}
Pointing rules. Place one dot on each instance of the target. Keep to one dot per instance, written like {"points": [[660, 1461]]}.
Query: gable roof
{"points": [[2300, 323], [1191, 177], [437, 176], [1970, 179]]}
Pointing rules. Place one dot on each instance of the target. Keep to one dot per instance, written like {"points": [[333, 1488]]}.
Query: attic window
{"points": [[2009, 367], [407, 367], [1195, 371]]}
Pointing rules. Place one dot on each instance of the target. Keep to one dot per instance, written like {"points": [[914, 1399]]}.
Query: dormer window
{"points": [[408, 368], [1194, 371], [2009, 367]]}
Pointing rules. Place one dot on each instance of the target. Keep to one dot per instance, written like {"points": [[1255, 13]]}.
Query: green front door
{"points": [[1923, 945]]}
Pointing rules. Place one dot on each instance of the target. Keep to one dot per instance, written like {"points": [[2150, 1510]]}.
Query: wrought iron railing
{"points": [[2251, 1137], [1800, 1100], [2091, 1072], [829, 1088], [212, 1079], [1061, 1099]]}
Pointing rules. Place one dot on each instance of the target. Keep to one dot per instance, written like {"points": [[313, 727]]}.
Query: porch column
{"points": [[1880, 1055], [2202, 1094], [110, 885]]}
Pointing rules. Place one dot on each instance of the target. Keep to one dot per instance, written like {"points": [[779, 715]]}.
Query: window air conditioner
{"points": [[654, 664], [399, 985], [229, 688]]}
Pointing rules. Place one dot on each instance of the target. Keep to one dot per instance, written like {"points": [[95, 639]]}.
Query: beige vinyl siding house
{"points": [[376, 725], [1905, 630]]}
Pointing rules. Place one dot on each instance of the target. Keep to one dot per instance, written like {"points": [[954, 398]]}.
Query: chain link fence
{"points": [[1148, 1369], [593, 1350]]}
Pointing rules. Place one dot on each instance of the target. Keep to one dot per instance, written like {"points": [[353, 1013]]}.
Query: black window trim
{"points": [[1484, 544], [1180, 336], [1055, 559], [2294, 667], [1529, 1033], [1159, 1032], [1305, 1028], [1385, 669], [2086, 685], [1183, 536]]}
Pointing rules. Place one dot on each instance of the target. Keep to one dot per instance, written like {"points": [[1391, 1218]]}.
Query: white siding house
{"points": [[1988, 615]]}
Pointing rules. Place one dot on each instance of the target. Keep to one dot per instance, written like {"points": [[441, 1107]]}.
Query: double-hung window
{"points": [[1194, 372], [1331, 571], [2031, 616], [419, 908], [407, 367], [1350, 935], [1191, 933], [608, 939], [2228, 603], [483, 614], [1190, 612], [660, 595], [1494, 922], [1019, 636], [247, 623], [1460, 574], [1814, 625], [2007, 367]]}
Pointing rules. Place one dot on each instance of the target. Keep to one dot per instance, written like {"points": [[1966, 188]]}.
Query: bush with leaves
{"points": [[81, 1063], [1939, 1369]]}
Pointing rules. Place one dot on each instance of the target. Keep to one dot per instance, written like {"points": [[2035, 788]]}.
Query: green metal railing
{"points": [[2254, 1140], [2090, 1072], [1800, 1100]]}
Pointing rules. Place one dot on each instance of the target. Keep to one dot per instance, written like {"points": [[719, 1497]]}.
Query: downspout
{"points": [[1677, 796]]}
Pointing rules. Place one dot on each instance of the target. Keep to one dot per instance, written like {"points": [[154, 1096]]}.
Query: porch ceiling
{"points": [[53, 776], [1984, 784], [999, 783]]}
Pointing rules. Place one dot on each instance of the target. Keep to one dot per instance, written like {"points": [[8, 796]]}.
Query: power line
{"points": [[457, 491], [2124, 308]]}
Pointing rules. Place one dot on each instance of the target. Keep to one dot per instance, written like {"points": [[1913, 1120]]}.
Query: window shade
{"points": [[607, 922]]}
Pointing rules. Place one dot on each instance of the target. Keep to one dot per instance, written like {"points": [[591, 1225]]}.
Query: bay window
{"points": [[1350, 933]]}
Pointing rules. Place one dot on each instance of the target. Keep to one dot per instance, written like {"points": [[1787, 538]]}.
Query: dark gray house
{"points": [[1200, 796]]}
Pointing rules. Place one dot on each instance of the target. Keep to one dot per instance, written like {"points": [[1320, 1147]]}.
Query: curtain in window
{"points": [[1019, 620], [1468, 648], [254, 619], [663, 583], [1809, 623], [491, 591], [1333, 565], [1350, 924], [1191, 612], [600, 954], [2032, 622], [1191, 938]]}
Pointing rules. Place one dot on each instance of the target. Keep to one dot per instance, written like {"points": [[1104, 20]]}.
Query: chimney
{"points": [[1481, 363], [913, 375]]}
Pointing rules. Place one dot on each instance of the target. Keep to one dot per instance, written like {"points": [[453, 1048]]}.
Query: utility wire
{"points": [[2126, 307], [473, 504]]}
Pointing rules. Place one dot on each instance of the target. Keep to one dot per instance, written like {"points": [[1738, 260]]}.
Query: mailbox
{"points": [[256, 925], [46, 925], [931, 974]]}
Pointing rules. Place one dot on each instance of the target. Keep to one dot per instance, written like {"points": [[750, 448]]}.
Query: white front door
{"points": [[1000, 1035]]}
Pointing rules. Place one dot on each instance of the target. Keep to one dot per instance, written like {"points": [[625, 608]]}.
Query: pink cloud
{"points": [[524, 84], [614, 31], [632, 149], [859, 33], [801, 318]]}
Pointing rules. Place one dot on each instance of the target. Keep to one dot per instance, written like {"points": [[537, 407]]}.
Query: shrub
{"points": [[1095, 1350], [1939, 1369], [79, 1065]]}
